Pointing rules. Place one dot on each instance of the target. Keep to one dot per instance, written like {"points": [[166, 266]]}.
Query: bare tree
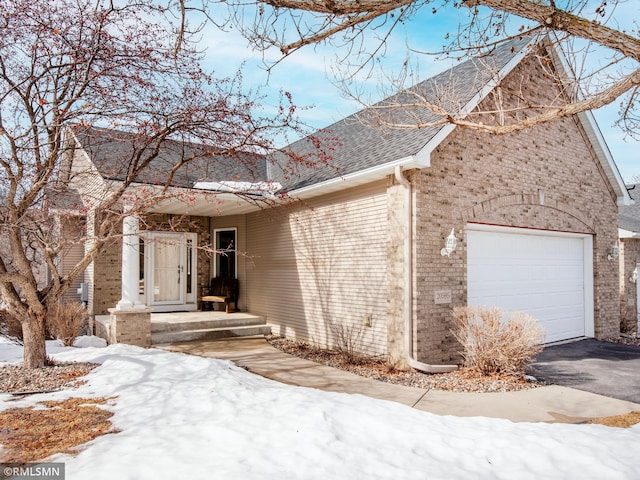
{"points": [[73, 65], [585, 28]]}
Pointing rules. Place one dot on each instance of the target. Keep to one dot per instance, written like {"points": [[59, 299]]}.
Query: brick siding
{"points": [[478, 177], [629, 258]]}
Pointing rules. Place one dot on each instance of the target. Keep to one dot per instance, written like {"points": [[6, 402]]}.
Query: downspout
{"points": [[408, 282]]}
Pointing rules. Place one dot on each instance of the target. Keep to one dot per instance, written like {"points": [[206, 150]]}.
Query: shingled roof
{"points": [[361, 145], [360, 150], [357, 144], [629, 215], [111, 152]]}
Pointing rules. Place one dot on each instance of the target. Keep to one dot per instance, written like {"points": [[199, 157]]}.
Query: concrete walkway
{"points": [[544, 404]]}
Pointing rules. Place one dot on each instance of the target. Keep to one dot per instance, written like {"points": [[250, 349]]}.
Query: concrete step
{"points": [[206, 324], [209, 333]]}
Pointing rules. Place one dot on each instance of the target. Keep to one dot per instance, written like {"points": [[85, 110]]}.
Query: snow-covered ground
{"points": [[195, 418]]}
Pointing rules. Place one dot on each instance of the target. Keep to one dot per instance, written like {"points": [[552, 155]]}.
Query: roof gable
{"points": [[361, 145], [365, 153], [112, 151], [353, 151]]}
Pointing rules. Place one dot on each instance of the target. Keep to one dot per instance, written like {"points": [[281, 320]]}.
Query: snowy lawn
{"points": [[195, 418]]}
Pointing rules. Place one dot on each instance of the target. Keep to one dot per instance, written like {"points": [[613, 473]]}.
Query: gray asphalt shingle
{"points": [[362, 143], [356, 143], [629, 215], [112, 151]]}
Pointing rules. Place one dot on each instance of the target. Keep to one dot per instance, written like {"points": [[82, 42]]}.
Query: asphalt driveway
{"points": [[604, 368]]}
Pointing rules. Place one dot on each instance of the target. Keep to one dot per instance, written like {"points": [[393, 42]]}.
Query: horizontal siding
{"points": [[322, 267], [71, 256]]}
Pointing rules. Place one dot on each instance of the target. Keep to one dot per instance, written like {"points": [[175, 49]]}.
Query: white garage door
{"points": [[548, 275]]}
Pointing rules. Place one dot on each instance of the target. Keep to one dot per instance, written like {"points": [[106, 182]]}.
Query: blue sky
{"points": [[306, 74]]}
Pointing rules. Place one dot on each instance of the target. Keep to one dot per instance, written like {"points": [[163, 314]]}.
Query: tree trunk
{"points": [[35, 350]]}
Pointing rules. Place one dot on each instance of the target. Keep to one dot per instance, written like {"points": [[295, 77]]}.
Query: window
{"points": [[189, 272], [225, 245], [141, 266]]}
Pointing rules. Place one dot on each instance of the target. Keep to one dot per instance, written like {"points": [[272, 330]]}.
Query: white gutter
{"points": [[408, 286], [623, 233], [354, 179]]}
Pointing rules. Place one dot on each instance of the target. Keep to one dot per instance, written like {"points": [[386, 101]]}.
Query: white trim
{"points": [[589, 318], [191, 298], [187, 301], [623, 233], [602, 150], [587, 252], [424, 154], [354, 179], [486, 227], [497, 79]]}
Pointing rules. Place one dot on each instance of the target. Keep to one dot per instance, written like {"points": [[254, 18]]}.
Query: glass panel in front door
{"points": [[167, 270]]}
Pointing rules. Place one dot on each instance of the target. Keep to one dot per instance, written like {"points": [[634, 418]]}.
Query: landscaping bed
{"points": [[16, 379], [463, 380]]}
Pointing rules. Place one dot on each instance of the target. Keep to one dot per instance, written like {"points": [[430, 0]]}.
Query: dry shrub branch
{"points": [[66, 321], [347, 341], [10, 326], [494, 345]]}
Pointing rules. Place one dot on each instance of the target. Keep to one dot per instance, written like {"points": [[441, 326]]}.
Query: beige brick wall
{"points": [[130, 327], [397, 219], [629, 258], [106, 287], [477, 177]]}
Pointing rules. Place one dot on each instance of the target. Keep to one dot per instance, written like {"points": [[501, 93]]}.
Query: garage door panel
{"points": [[542, 274], [545, 289]]}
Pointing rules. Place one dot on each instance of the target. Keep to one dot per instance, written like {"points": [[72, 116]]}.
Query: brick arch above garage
{"points": [[528, 210]]}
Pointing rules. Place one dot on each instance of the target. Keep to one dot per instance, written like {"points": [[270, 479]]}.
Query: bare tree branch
{"points": [[490, 22], [560, 20], [83, 65]]}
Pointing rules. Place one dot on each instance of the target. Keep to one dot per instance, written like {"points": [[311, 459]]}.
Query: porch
{"points": [[171, 327]]}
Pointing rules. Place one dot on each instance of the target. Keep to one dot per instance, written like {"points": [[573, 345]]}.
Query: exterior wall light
{"points": [[615, 251], [634, 275], [449, 245]]}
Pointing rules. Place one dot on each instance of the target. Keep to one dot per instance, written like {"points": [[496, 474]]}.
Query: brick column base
{"points": [[132, 327]]}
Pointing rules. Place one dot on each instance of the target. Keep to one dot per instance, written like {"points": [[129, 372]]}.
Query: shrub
{"points": [[66, 321], [493, 345], [10, 327], [347, 341]]}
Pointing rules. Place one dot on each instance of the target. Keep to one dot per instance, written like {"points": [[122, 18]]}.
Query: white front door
{"points": [[170, 269]]}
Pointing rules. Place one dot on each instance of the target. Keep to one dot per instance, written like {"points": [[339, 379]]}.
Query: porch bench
{"points": [[222, 290]]}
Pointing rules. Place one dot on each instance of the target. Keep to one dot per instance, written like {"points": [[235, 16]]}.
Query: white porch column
{"points": [[130, 264]]}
